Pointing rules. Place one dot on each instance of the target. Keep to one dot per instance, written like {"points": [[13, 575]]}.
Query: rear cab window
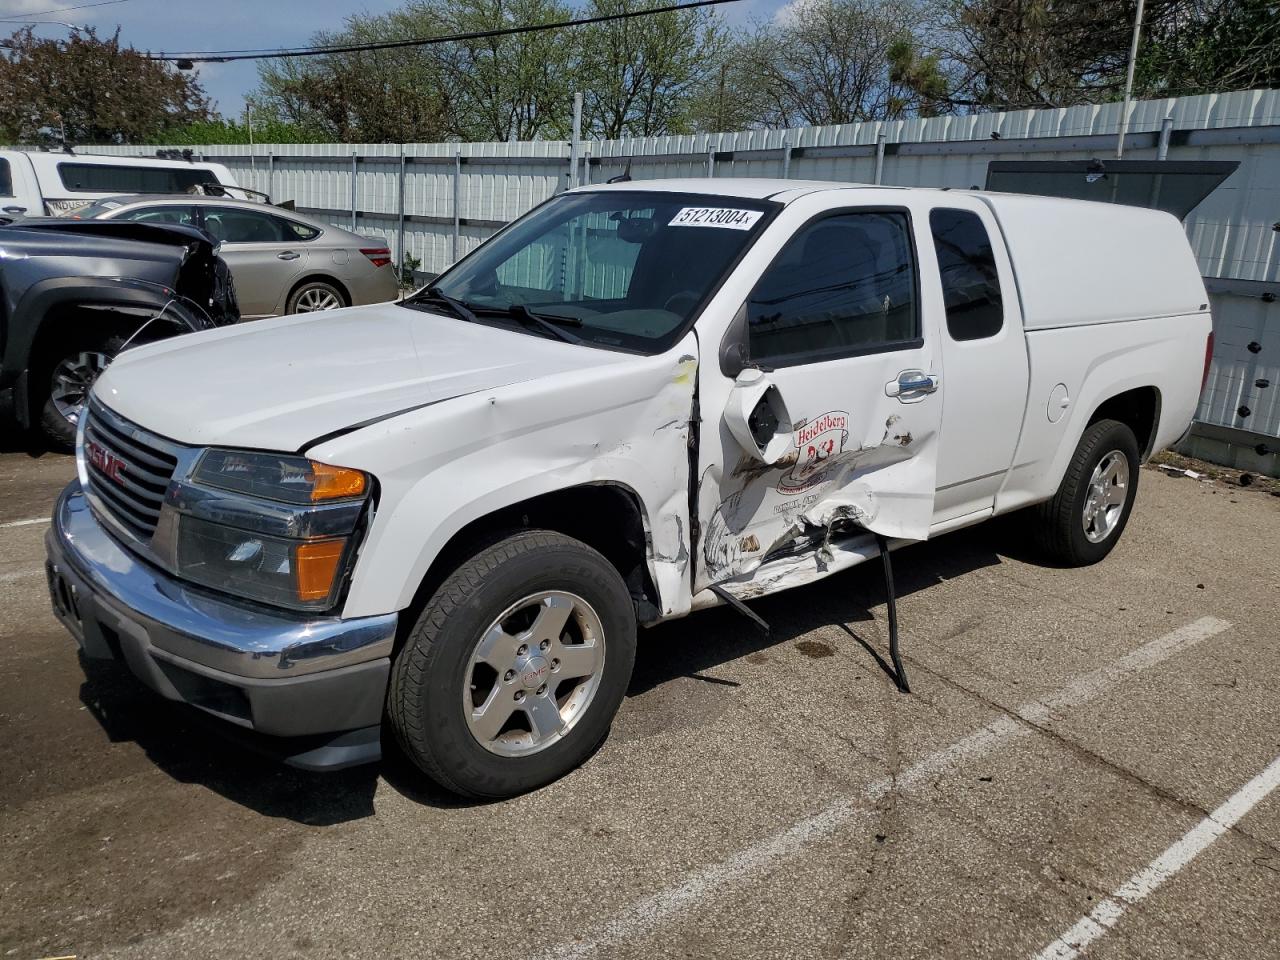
{"points": [[967, 265]]}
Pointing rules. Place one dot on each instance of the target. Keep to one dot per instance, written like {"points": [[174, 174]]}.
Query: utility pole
{"points": [[1128, 80]]}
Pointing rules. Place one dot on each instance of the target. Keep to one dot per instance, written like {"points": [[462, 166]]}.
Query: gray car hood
{"points": [[282, 384]]}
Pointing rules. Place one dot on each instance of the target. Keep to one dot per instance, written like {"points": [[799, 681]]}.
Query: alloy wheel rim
{"points": [[317, 298], [1107, 492], [72, 379], [533, 674]]}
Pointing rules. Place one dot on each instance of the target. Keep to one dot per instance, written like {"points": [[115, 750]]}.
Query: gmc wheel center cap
{"points": [[533, 673]]}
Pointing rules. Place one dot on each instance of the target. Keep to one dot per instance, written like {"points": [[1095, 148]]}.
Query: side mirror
{"points": [[757, 417]]}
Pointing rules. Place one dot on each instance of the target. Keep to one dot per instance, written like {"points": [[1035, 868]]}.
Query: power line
{"points": [[78, 6], [226, 56]]}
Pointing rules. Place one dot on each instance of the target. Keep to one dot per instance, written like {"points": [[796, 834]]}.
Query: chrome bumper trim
{"points": [[195, 626]]}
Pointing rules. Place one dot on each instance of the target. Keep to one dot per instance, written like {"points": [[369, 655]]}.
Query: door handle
{"points": [[15, 209], [911, 385], [288, 255]]}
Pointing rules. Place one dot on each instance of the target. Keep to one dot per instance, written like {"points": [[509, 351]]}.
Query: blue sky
{"points": [[227, 24]]}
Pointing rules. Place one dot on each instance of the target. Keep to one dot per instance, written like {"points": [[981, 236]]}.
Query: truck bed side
{"points": [[1116, 319]]}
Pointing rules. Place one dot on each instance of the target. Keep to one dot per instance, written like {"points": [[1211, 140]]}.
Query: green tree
{"points": [[373, 96], [513, 86], [91, 90], [839, 61], [1211, 46], [641, 76]]}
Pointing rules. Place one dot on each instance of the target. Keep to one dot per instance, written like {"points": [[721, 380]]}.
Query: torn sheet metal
{"points": [[831, 483]]}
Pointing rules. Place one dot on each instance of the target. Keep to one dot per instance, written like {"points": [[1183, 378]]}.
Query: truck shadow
{"points": [[192, 748], [688, 648]]}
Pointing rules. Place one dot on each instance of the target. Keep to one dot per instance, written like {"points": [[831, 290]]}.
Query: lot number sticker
{"points": [[722, 217]]}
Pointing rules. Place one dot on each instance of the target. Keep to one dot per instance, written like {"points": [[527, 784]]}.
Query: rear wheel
{"points": [[1086, 517], [315, 295], [516, 666]]}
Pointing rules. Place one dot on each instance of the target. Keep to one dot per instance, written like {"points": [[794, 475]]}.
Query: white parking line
{"points": [[1149, 879], [24, 523], [13, 576], [646, 915]]}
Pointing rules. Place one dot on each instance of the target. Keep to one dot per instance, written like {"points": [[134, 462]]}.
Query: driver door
{"points": [[830, 425]]}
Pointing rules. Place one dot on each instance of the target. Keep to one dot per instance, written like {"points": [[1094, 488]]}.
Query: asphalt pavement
{"points": [[1086, 764]]}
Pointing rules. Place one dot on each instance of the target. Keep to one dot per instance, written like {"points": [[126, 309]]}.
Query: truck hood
{"points": [[282, 384]]}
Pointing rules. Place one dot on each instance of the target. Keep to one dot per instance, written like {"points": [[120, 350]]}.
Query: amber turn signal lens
{"points": [[317, 565], [335, 483]]}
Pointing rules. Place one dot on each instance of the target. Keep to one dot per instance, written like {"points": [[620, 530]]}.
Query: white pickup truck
{"points": [[449, 514]]}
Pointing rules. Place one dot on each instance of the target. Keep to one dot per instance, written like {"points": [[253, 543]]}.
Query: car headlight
{"points": [[274, 528], [278, 477]]}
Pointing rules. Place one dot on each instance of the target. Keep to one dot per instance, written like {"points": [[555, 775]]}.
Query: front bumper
{"points": [[283, 676]]}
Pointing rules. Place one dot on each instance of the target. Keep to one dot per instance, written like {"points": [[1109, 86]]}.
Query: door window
{"points": [[843, 285], [6, 179], [970, 284], [183, 216], [233, 225]]}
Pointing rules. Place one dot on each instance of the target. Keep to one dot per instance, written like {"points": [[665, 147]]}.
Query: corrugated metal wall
{"points": [[1235, 232]]}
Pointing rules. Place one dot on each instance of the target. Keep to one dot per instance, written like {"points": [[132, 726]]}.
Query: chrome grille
{"points": [[128, 468]]}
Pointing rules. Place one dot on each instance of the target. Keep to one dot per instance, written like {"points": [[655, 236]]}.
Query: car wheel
{"points": [[1086, 517], [513, 672], [315, 295], [64, 382]]}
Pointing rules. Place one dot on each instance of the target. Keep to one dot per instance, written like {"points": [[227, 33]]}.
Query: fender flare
{"points": [[28, 316]]}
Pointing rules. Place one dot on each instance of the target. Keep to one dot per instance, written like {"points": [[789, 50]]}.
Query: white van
{"points": [[56, 184]]}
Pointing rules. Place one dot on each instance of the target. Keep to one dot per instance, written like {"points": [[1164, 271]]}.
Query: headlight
{"points": [[269, 527], [278, 477], [290, 573]]}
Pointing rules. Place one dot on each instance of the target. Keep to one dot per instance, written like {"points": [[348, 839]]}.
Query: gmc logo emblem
{"points": [[106, 461]]}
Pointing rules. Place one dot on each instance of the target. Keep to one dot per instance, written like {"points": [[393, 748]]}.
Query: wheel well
{"points": [[1138, 409], [86, 321], [320, 278], [606, 517]]}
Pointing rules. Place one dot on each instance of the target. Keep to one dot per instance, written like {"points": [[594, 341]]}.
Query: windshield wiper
{"points": [[436, 295], [551, 323]]}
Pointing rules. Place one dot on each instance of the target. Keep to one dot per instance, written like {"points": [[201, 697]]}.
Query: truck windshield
{"points": [[621, 269]]}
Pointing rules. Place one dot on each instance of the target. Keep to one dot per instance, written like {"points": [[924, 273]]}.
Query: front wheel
{"points": [[1086, 517], [64, 382], [516, 666]]}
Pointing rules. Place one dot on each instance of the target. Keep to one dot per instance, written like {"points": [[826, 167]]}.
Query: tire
{"points": [[313, 295], [1107, 455], [442, 690], [64, 376]]}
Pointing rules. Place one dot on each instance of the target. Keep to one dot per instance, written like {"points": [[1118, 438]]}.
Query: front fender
{"points": [[442, 467]]}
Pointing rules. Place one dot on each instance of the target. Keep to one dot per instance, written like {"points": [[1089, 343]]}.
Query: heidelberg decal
{"points": [[817, 442]]}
